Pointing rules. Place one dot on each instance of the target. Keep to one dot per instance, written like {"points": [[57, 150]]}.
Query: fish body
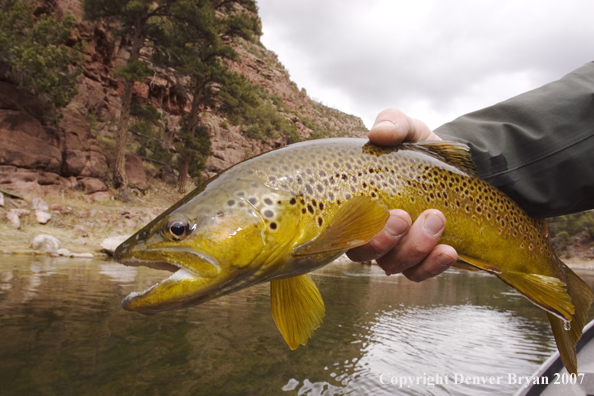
{"points": [[278, 216]]}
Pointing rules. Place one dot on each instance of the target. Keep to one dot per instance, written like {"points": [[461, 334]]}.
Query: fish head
{"points": [[216, 241]]}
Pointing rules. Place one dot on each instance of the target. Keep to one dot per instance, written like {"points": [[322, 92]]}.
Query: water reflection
{"points": [[62, 331]]}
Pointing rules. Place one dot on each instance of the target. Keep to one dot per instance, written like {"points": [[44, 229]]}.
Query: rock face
{"points": [[36, 159]]}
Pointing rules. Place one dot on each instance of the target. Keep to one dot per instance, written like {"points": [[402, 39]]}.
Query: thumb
{"points": [[392, 127]]}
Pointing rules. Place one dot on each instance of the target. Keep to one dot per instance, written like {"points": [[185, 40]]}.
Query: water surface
{"points": [[63, 332]]}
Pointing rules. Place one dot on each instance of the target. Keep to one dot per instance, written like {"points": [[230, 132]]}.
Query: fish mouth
{"points": [[158, 265], [187, 285]]}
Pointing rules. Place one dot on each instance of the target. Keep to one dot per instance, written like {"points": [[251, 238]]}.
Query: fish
{"points": [[278, 216]]}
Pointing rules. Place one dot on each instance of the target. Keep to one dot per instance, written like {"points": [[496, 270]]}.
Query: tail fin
{"points": [[566, 340]]}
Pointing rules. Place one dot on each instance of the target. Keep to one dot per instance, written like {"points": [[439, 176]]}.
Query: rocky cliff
{"points": [[36, 159]]}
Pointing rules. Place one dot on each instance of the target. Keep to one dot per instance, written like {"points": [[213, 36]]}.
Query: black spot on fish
{"points": [[268, 201], [253, 201], [293, 201], [303, 211], [321, 206], [320, 221], [273, 226], [310, 208], [268, 213], [230, 202]]}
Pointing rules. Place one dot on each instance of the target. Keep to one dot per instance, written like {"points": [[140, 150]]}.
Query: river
{"points": [[63, 332]]}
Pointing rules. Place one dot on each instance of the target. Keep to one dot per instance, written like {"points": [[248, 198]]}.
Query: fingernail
{"points": [[433, 224], [383, 124], [396, 226], [445, 260]]}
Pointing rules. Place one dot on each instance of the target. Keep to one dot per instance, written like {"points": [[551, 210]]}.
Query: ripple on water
{"points": [[419, 343]]}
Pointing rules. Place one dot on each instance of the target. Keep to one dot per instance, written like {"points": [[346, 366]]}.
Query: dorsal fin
{"points": [[454, 153]]}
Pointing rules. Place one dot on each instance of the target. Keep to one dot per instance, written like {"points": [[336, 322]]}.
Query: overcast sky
{"points": [[435, 60]]}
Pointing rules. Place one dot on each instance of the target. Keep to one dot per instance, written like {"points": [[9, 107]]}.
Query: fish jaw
{"points": [[182, 289], [188, 285]]}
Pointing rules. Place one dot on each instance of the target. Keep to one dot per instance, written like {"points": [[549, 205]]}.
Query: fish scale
{"points": [[280, 215]]}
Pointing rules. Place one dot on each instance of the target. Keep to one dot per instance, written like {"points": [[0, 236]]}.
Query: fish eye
{"points": [[178, 229]]}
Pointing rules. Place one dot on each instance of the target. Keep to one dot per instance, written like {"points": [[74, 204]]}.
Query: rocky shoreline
{"points": [[68, 224]]}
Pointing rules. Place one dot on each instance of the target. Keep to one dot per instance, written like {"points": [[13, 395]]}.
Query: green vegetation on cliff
{"points": [[36, 56]]}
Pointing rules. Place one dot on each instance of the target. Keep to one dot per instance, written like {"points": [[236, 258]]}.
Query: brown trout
{"points": [[278, 216]]}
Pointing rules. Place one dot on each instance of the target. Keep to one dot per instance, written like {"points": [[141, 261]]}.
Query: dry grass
{"points": [[100, 219]]}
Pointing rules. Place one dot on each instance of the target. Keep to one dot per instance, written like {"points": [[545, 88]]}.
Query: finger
{"points": [[396, 227], [392, 127], [418, 242], [439, 260]]}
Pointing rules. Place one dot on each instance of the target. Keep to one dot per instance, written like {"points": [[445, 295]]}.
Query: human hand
{"points": [[403, 246]]}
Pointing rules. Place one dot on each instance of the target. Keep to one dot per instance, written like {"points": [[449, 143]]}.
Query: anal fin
{"points": [[547, 292], [297, 308], [566, 340]]}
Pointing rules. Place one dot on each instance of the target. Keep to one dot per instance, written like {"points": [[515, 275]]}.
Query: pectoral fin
{"points": [[355, 224], [297, 308]]}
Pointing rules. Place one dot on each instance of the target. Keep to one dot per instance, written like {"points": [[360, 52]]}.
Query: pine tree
{"points": [[196, 43], [136, 22]]}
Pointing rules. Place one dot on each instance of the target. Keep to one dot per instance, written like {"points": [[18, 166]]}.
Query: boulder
{"points": [[39, 204], [42, 217], [45, 243], [13, 218], [63, 252], [110, 244], [135, 170], [21, 212], [98, 196], [81, 255], [80, 231], [91, 185], [84, 163], [21, 148]]}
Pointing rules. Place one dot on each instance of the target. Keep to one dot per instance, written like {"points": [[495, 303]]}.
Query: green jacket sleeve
{"points": [[537, 147]]}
